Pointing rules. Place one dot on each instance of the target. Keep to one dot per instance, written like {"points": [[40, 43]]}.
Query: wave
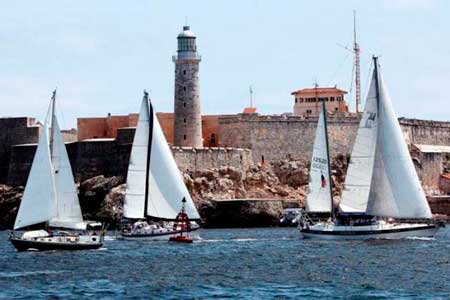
{"points": [[421, 238], [30, 273]]}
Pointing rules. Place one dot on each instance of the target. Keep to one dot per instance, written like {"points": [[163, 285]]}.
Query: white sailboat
{"points": [[319, 201], [155, 188], [382, 197], [50, 198]]}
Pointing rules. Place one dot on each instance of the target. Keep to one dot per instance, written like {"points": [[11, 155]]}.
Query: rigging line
{"points": [[351, 81], [366, 83], [60, 110], [338, 69]]}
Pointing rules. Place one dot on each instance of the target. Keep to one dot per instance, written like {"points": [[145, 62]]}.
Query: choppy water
{"points": [[233, 264]]}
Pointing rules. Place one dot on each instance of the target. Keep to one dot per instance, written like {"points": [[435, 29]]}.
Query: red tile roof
{"points": [[446, 176], [249, 110], [319, 90]]}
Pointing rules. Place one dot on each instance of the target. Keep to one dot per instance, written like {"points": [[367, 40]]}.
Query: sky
{"points": [[102, 54]]}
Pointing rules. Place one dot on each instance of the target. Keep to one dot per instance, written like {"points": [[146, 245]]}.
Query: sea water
{"points": [[269, 263]]}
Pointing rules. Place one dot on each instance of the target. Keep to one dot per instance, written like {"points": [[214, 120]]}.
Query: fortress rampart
{"points": [[243, 140], [109, 157], [15, 131], [284, 137]]}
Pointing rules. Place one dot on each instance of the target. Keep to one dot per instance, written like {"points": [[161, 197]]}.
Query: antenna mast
{"points": [[251, 96], [357, 67]]}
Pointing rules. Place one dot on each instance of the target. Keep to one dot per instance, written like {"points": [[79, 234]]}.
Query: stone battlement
{"points": [[428, 123], [15, 131], [335, 118], [195, 159], [110, 157]]}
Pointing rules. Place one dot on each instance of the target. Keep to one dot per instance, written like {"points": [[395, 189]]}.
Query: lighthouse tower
{"points": [[187, 127]]}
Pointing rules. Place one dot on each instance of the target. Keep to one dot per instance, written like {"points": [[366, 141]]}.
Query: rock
{"points": [[101, 198], [111, 209], [241, 213], [92, 194], [9, 204], [292, 173]]}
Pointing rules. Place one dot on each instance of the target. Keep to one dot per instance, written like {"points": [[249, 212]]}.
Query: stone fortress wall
{"points": [[15, 131], [245, 139], [285, 137], [110, 157]]}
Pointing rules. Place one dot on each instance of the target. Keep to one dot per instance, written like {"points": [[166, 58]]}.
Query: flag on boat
{"points": [[323, 181]]}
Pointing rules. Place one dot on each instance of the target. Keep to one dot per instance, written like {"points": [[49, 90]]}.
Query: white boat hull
{"points": [[156, 236], [384, 231], [57, 242]]}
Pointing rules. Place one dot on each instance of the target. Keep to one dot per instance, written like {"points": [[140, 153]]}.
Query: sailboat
{"points": [[50, 200], [382, 196], [155, 190], [319, 200]]}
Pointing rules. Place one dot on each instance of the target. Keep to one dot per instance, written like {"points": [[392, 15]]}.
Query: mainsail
{"points": [[319, 198], [165, 187], [39, 198], [381, 178], [135, 193], [395, 189], [359, 173], [50, 194], [68, 206]]}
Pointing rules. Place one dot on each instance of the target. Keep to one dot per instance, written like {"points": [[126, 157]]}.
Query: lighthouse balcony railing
{"points": [[187, 56]]}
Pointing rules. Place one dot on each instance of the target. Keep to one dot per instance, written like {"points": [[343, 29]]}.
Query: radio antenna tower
{"points": [[251, 96], [357, 67]]}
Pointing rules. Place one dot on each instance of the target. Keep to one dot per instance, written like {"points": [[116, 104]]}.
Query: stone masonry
{"points": [[188, 121], [15, 131], [274, 138]]}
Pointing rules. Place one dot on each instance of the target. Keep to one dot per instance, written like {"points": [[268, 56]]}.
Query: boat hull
{"points": [[348, 233], [25, 244], [163, 236]]}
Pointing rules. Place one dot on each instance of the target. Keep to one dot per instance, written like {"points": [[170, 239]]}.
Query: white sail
{"points": [[166, 185], [134, 205], [395, 190], [359, 173], [68, 206], [39, 198], [319, 196]]}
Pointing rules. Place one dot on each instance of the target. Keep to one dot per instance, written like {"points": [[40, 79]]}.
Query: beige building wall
{"points": [[307, 102]]}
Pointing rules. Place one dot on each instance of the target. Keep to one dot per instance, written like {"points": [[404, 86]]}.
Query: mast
{"points": [[52, 122], [251, 96], [377, 89], [324, 111], [332, 211], [149, 149], [357, 65]]}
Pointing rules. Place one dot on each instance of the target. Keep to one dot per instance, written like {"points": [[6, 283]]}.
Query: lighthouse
{"points": [[187, 127]]}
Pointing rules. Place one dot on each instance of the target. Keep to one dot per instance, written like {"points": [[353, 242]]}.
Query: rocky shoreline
{"points": [[260, 194]]}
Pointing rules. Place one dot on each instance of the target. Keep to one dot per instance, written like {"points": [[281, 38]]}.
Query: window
{"points": [[184, 72], [335, 109], [213, 139], [184, 88], [184, 104], [295, 100], [184, 137], [332, 99], [184, 120], [308, 111]]}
